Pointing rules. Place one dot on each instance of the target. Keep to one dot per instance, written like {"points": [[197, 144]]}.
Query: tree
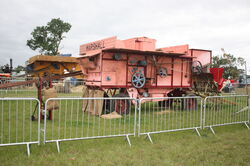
{"points": [[19, 68], [230, 64], [46, 39]]}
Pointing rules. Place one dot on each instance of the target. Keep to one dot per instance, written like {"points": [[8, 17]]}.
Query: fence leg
{"points": [[58, 146], [28, 149], [210, 127], [127, 138], [197, 131], [42, 132], [149, 138], [247, 126]]}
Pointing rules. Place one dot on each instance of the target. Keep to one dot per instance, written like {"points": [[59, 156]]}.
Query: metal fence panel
{"points": [[16, 126], [84, 118], [225, 110], [167, 114]]}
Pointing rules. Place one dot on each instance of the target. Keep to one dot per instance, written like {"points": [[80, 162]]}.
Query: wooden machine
{"points": [[136, 68], [43, 65]]}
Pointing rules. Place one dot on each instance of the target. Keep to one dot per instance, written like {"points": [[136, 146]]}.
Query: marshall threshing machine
{"points": [[135, 68]]}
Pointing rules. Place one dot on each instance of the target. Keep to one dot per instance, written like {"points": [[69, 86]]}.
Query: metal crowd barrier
{"points": [[68, 119], [16, 127], [89, 118], [157, 115], [226, 110]]}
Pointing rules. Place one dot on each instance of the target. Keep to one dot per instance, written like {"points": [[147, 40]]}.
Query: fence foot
{"points": [[212, 130], [28, 149], [127, 138], [149, 138], [247, 126], [58, 146], [197, 131]]}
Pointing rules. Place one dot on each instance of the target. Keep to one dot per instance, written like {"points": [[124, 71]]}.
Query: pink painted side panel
{"points": [[165, 62], [98, 45], [114, 73], [159, 92], [142, 43], [94, 76], [182, 49], [203, 56], [186, 81], [177, 72]]}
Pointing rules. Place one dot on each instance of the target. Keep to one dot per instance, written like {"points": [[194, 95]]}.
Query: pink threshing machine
{"points": [[137, 69]]}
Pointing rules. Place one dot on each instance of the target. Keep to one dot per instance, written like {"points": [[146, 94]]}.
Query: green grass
{"points": [[33, 93], [229, 147]]}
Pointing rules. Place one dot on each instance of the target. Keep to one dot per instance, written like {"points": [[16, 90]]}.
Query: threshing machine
{"points": [[137, 69]]}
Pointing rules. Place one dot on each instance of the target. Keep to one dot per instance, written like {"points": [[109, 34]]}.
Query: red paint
{"points": [[218, 76]]}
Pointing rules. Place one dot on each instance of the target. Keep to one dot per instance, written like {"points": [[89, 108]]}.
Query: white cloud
{"points": [[203, 24]]}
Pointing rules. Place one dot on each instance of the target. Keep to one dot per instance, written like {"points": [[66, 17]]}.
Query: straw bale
{"points": [[50, 93], [112, 115]]}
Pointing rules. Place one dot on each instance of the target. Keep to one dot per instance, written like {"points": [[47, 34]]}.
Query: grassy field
{"points": [[33, 93], [229, 147]]}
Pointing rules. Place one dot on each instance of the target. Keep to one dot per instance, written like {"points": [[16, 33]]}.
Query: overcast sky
{"points": [[208, 24]]}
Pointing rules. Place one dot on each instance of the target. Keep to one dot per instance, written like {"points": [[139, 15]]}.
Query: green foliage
{"points": [[230, 63], [19, 68], [46, 39]]}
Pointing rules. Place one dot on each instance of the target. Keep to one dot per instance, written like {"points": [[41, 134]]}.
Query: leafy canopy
{"points": [[19, 68], [46, 39], [230, 64]]}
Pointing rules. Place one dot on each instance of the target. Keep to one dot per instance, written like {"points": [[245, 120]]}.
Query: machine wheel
{"points": [[138, 80], [121, 106]]}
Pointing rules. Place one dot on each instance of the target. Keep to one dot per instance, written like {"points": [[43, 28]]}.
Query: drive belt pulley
{"points": [[138, 80]]}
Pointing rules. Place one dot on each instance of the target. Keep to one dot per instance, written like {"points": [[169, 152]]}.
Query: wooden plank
{"points": [[47, 58]]}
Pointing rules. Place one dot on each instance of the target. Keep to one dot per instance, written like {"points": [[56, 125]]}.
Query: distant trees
{"points": [[231, 65], [19, 68], [46, 39]]}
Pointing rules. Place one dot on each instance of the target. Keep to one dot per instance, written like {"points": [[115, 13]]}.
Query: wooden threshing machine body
{"points": [[136, 66]]}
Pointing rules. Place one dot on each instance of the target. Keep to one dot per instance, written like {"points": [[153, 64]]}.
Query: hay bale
{"points": [[58, 87], [50, 93], [163, 112], [90, 105], [78, 88], [248, 89], [112, 115]]}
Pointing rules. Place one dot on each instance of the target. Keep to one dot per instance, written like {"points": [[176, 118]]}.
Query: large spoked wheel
{"points": [[121, 106], [138, 80]]}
